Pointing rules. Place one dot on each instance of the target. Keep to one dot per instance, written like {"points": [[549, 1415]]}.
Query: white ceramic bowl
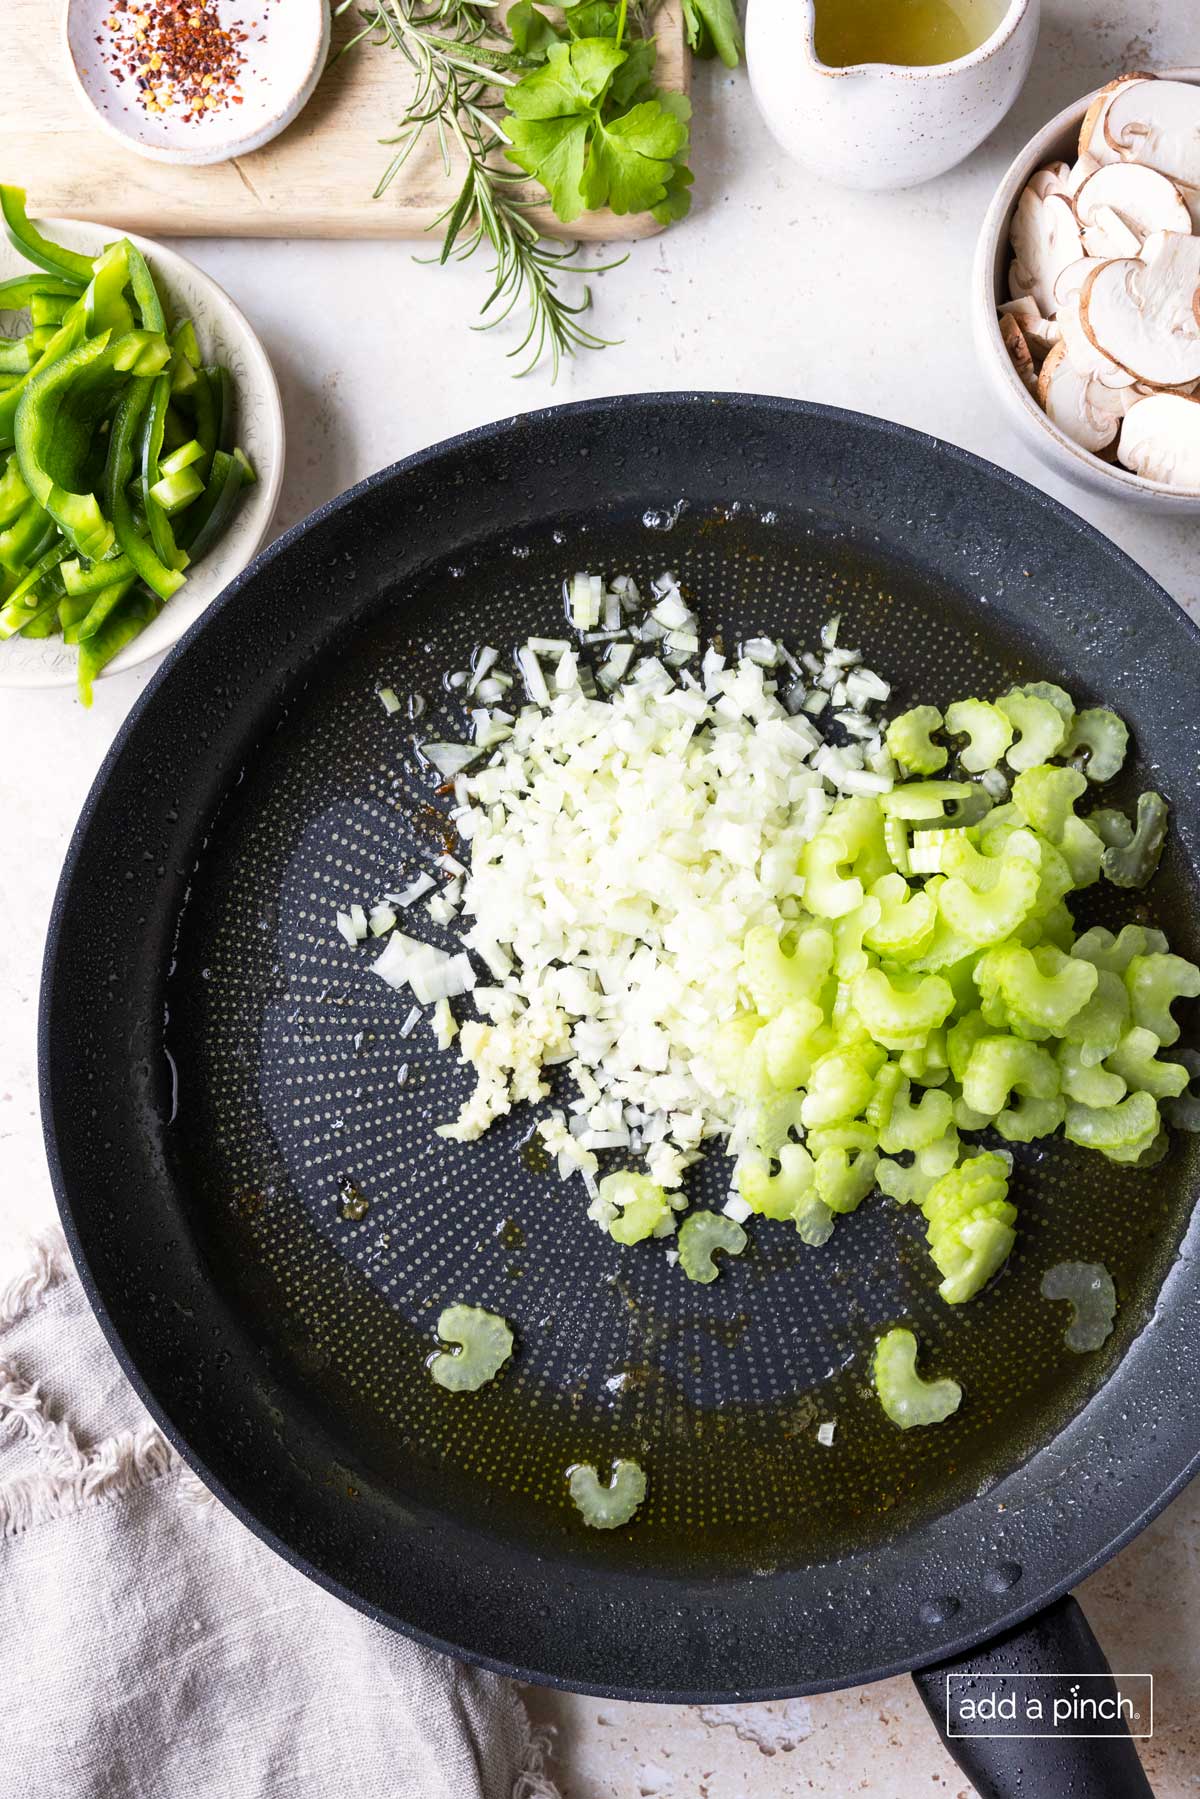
{"points": [[1059, 140], [285, 58], [225, 336]]}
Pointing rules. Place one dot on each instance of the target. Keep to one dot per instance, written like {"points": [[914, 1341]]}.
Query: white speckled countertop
{"points": [[776, 285]]}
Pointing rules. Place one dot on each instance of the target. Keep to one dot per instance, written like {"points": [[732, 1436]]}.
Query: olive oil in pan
{"points": [[914, 33]]}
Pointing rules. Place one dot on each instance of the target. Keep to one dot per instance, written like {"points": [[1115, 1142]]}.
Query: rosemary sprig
{"points": [[459, 58]]}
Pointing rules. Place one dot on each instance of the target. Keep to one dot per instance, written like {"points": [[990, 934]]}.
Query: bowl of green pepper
{"points": [[141, 448]]}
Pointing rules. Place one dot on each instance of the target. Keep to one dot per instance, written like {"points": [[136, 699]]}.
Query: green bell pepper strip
{"points": [[23, 290], [185, 345], [103, 605], [221, 386], [175, 492], [182, 458], [205, 398], [55, 429], [213, 512], [23, 539], [15, 496], [95, 577], [125, 427], [150, 472], [184, 378], [48, 309], [104, 304], [50, 558], [68, 335], [145, 293], [72, 608], [44, 621], [18, 354], [25, 237], [40, 434], [128, 622]]}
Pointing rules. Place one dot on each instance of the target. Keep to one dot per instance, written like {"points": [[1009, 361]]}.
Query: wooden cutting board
{"points": [[315, 180]]}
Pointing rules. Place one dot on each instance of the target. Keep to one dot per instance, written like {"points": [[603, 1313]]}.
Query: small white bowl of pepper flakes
{"points": [[196, 81]]}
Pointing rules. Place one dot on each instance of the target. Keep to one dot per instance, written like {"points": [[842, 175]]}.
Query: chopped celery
{"points": [[1093, 1299], [1041, 729], [910, 739], [1131, 864], [849, 934], [906, 1398], [840, 1085], [774, 977], [791, 1040], [989, 732], [643, 1205], [844, 1177], [777, 1195], [1083, 851], [485, 1344], [1058, 697], [1037, 992], [700, 1235], [1130, 1125], [914, 1127], [827, 892], [900, 1010], [930, 802], [910, 1185], [1154, 984], [1135, 1064], [1100, 740], [1089, 1083], [969, 1225], [1116, 953], [1002, 1066], [907, 917], [607, 1508], [1045, 797]]}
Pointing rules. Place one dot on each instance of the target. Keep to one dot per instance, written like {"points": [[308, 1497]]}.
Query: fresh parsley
{"points": [[589, 122]]}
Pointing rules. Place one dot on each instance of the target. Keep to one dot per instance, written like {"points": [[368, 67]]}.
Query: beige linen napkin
{"points": [[152, 1648]]}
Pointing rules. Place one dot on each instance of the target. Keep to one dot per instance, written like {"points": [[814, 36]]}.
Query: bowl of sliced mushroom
{"points": [[1087, 291]]}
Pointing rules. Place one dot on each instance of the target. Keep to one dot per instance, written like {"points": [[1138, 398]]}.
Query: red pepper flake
{"points": [[177, 55]]}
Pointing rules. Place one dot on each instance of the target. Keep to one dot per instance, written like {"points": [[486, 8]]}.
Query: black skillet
{"points": [[220, 1085]]}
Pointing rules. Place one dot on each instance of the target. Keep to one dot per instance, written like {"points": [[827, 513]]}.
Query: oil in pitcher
{"points": [[913, 33]]}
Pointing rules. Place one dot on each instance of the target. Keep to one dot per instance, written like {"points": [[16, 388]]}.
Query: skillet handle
{"points": [[1053, 1643]]}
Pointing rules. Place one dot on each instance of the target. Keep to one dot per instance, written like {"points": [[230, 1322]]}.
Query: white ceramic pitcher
{"points": [[880, 125]]}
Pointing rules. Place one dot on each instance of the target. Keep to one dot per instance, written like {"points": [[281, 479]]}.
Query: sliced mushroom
{"points": [[1045, 239], [1071, 399], [1084, 167], [1020, 355], [1092, 141], [1158, 123], [1073, 277], [1142, 200], [1082, 351], [1108, 236], [1160, 440], [1050, 180], [1143, 392], [1040, 334], [1142, 315]]}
